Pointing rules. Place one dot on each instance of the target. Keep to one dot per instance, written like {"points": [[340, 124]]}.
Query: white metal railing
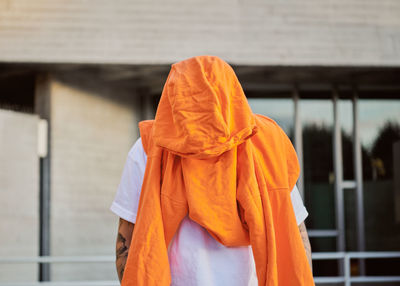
{"points": [[322, 232], [56, 259], [346, 257], [347, 279], [60, 259], [61, 283]]}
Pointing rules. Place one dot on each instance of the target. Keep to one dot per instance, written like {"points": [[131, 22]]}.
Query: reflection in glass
{"points": [[280, 110], [317, 122], [346, 124], [379, 133]]}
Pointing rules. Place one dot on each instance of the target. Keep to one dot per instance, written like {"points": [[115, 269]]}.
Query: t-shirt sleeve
{"points": [[126, 201], [298, 206]]}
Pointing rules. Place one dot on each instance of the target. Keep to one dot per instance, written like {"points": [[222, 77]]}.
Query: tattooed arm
{"points": [[306, 242], [125, 230]]}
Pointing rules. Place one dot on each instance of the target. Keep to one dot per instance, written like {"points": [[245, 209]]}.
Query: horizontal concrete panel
{"points": [[258, 32]]}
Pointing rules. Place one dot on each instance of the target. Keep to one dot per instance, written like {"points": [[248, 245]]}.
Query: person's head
{"points": [[203, 110]]}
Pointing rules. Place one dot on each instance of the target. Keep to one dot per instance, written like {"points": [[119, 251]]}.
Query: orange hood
{"points": [[203, 111]]}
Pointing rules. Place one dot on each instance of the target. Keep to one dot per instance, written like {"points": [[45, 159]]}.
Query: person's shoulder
{"points": [[267, 125], [145, 128], [136, 150]]}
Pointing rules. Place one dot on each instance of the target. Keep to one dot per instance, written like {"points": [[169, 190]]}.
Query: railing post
{"points": [[347, 274]]}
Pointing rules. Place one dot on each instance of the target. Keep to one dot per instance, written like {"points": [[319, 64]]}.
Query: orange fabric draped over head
{"points": [[230, 170]]}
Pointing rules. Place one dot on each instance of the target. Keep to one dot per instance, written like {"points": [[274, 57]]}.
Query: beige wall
{"points": [[92, 128], [19, 193], [276, 32]]}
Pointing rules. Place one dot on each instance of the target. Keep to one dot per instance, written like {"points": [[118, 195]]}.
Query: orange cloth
{"points": [[232, 171]]}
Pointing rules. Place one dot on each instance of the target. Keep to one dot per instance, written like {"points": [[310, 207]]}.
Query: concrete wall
{"points": [[92, 127], [276, 32], [19, 193]]}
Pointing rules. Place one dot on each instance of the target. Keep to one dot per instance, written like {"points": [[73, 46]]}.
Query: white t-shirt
{"points": [[195, 257]]}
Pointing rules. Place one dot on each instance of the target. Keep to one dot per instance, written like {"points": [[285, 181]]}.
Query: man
{"points": [[214, 203]]}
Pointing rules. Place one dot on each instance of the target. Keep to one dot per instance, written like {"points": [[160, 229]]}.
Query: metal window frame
{"points": [[339, 182], [338, 169], [358, 178], [298, 139]]}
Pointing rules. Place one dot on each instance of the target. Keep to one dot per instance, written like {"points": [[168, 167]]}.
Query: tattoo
{"points": [[122, 251], [306, 242], [121, 238], [122, 247], [121, 255]]}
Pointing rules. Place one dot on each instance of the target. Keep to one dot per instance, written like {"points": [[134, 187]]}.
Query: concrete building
{"points": [[326, 71]]}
